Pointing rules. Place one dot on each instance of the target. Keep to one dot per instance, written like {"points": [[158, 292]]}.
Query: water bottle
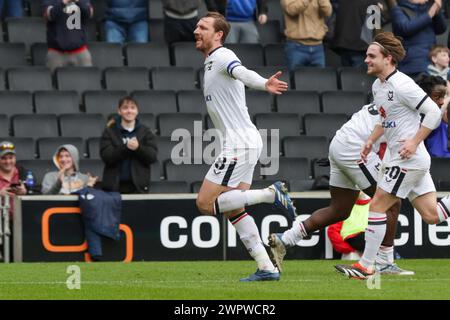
{"points": [[29, 182]]}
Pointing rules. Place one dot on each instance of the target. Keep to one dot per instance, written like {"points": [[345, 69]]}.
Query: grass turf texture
{"points": [[217, 280]]}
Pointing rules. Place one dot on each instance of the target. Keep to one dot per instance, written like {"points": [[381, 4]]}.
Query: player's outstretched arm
{"points": [[253, 80], [275, 85]]}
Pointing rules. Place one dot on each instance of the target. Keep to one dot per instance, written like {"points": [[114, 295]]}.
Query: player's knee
{"points": [[204, 207]]}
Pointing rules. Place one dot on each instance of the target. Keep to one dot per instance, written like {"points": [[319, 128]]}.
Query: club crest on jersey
{"points": [[382, 112], [391, 96], [208, 67]]}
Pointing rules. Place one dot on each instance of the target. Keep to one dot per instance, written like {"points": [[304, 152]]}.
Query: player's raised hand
{"points": [[366, 149], [275, 85]]}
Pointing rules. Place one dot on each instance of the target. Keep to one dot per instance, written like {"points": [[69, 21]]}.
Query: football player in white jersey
{"points": [[225, 188], [348, 176], [400, 101]]}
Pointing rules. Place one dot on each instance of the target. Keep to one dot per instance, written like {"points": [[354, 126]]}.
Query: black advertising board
{"points": [[170, 228]]}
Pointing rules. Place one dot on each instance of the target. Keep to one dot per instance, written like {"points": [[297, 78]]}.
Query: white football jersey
{"points": [[225, 101], [355, 132], [399, 99]]}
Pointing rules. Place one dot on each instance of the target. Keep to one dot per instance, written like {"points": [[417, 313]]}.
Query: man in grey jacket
{"points": [[68, 179]]}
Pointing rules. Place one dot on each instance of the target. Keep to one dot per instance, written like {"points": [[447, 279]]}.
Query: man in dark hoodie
{"points": [[126, 21], [127, 148], [417, 22], [66, 32]]}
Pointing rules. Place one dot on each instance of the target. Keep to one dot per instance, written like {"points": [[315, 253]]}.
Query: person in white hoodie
{"points": [[68, 179]]}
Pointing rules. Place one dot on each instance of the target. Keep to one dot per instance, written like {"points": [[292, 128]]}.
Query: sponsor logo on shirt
{"points": [[391, 96], [382, 112], [388, 124]]}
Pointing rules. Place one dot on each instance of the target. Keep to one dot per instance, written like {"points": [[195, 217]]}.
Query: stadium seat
{"points": [[39, 54], [29, 79], [156, 101], [156, 171], [169, 122], [191, 101], [354, 79], [93, 148], [291, 169], [47, 146], [186, 55], [106, 54], [299, 102], [209, 150], [26, 30], [99, 9], [332, 59], [347, 102], [25, 147], [440, 170], [274, 54], [35, 8], [315, 79], [79, 78], [149, 120], [324, 124], [276, 12], [147, 55], [269, 71], [12, 55], [82, 125], [258, 102], [185, 172], [16, 102], [169, 187], [127, 78], [35, 125], [155, 9], [269, 32], [56, 102], [175, 151], [173, 78], [2, 81], [156, 31], [300, 185], [195, 186], [38, 168], [4, 126], [92, 31], [443, 185], [104, 102], [319, 170], [287, 124], [305, 147], [251, 55], [93, 167]]}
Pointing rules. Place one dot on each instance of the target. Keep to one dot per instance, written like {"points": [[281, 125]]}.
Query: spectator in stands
{"points": [[436, 89], [128, 148], [11, 175], [180, 19], [439, 62], [417, 22], [347, 237], [68, 179], [126, 21], [347, 40], [66, 32], [11, 8], [305, 31], [241, 15]]}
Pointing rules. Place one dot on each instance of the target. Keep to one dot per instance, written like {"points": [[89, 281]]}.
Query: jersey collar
{"points": [[209, 54], [392, 73]]}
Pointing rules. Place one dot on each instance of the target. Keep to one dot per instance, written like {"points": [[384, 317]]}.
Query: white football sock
{"points": [[374, 235], [296, 233], [248, 232], [443, 208], [385, 255], [235, 199]]}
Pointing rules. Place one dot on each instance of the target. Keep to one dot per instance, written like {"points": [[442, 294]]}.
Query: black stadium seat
{"points": [[147, 55], [4, 126], [258, 102], [269, 32], [169, 187], [169, 122], [347, 102], [274, 54], [93, 148], [315, 79], [300, 102], [38, 168], [156, 31], [35, 125], [12, 55], [48, 146], [149, 120], [39, 54], [251, 55], [16, 102], [324, 124], [287, 124], [127, 78], [25, 147], [173, 78], [440, 170], [310, 147], [93, 167], [156, 101], [191, 101], [291, 168], [172, 150], [26, 30], [79, 78], [104, 102], [185, 55], [106, 54], [353, 79], [56, 102], [82, 125], [185, 172], [29, 79]]}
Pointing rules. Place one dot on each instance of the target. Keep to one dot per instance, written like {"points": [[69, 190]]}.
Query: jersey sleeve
{"points": [[228, 61], [412, 96]]}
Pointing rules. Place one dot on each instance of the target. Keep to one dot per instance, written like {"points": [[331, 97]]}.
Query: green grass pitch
{"points": [[217, 280]]}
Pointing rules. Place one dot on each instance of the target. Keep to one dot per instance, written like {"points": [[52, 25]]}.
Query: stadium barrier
{"points": [[169, 228], [5, 231]]}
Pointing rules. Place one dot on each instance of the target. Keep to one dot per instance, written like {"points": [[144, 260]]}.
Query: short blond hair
{"points": [[436, 49]]}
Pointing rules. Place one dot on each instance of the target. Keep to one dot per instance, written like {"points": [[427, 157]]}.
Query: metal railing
{"points": [[5, 230]]}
